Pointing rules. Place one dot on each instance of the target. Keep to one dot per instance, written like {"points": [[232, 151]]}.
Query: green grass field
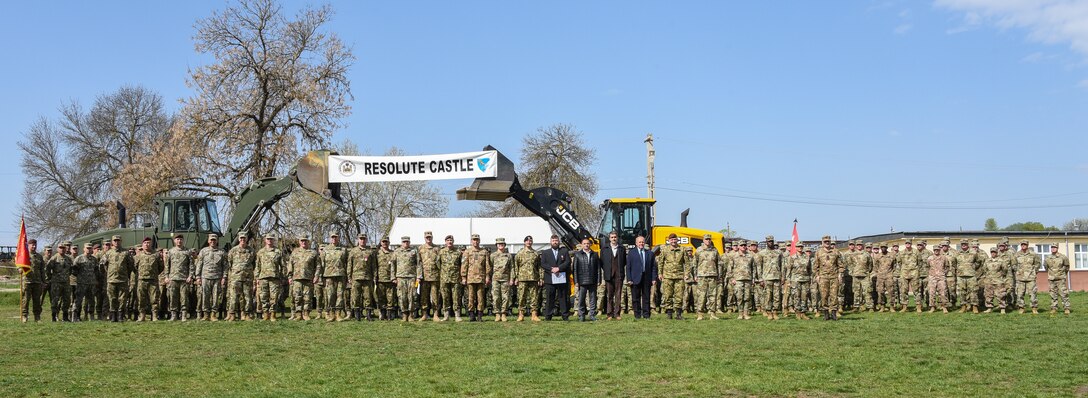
{"points": [[878, 355]]}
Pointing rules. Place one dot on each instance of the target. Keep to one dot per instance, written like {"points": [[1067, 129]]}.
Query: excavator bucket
{"points": [[313, 175], [496, 188]]}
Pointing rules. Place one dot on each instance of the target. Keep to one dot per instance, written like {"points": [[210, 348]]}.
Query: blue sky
{"points": [[853, 117]]}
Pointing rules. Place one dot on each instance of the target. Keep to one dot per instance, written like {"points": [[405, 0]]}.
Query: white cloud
{"points": [[1032, 58], [1083, 84], [1046, 21], [903, 28]]}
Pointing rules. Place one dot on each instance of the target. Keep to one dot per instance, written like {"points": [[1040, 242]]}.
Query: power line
{"points": [[887, 202], [874, 206]]}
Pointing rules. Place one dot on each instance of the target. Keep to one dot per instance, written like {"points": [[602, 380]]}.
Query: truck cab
{"points": [[194, 217]]}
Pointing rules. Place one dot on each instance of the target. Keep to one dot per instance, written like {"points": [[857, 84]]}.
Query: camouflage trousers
{"points": [[967, 290], [772, 295], [729, 302], [147, 294], [1023, 289], [938, 292], [995, 291], [757, 296], [800, 295], [451, 296], [240, 298], [178, 293], [334, 297], [529, 296], [406, 288], [885, 291], [862, 287], [209, 294], [907, 289], [672, 291], [361, 293], [83, 298], [952, 292], [59, 294], [267, 292], [128, 299], [742, 290], [386, 295], [31, 297], [1059, 290], [302, 292], [429, 298], [829, 293], [706, 294], [476, 297], [114, 293], [500, 296]]}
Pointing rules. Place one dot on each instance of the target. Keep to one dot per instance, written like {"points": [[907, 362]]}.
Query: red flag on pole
{"points": [[793, 242], [22, 253]]}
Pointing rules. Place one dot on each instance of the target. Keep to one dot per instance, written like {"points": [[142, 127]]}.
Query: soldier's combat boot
{"points": [[1053, 311], [988, 310], [963, 309], [699, 316], [294, 316], [141, 318], [974, 309], [328, 316], [1066, 311], [1002, 311], [668, 313], [23, 318], [834, 315], [711, 315], [230, 316], [436, 318], [944, 310], [1020, 311], [904, 309], [534, 317], [457, 316], [918, 309], [1035, 311], [680, 314]]}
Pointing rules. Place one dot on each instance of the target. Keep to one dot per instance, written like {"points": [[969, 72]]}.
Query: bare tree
{"points": [[73, 165], [277, 84], [554, 156], [1076, 224]]}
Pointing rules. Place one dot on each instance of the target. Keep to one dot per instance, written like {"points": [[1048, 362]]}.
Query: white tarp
{"points": [[412, 168], [513, 229]]}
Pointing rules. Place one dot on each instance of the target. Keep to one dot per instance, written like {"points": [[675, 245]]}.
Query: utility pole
{"points": [[650, 155]]}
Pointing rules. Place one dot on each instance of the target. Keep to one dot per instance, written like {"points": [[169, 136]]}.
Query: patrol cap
{"points": [[405, 238], [883, 244], [851, 242], [1053, 244], [1003, 243], [334, 234], [385, 238], [428, 234], [908, 242], [964, 241], [728, 244], [527, 238], [753, 243], [89, 245], [707, 236], [1024, 242], [974, 242], [449, 237], [826, 238], [868, 245], [769, 238], [213, 237], [363, 236], [116, 237], [179, 235], [922, 242], [500, 240], [945, 242], [671, 236], [303, 238], [66, 243], [993, 249], [243, 234], [475, 236], [147, 239], [808, 250], [270, 236]]}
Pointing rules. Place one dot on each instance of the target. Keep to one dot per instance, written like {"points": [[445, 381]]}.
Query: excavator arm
{"points": [[551, 204]]}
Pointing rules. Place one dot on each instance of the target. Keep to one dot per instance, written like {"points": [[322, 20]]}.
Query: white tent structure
{"points": [[513, 229]]}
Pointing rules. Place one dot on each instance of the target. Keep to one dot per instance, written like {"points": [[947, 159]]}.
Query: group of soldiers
{"points": [[440, 282]]}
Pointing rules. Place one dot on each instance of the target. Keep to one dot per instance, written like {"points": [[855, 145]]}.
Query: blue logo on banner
{"points": [[482, 163]]}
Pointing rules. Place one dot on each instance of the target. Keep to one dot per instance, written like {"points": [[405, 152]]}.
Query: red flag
{"points": [[22, 253], [793, 243]]}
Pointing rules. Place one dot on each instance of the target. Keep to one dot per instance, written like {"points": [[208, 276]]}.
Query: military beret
{"points": [[116, 237], [993, 249], [385, 238], [826, 238], [428, 234], [405, 238], [243, 234], [147, 239], [179, 235], [706, 236], [303, 238], [527, 238], [1024, 242], [769, 238], [500, 240], [213, 237], [475, 236], [334, 235]]}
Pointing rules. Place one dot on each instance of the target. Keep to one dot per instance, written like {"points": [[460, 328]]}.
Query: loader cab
{"points": [[195, 217], [629, 217]]}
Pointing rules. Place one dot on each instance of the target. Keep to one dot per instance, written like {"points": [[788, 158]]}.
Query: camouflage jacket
{"points": [[884, 265], [334, 261], [908, 264], [707, 262], [58, 269], [744, 266], [968, 263], [85, 267], [725, 264], [210, 263], [474, 265], [149, 266], [527, 266], [997, 270], [269, 264], [449, 264], [37, 269], [428, 263], [362, 262], [769, 265], [385, 258], [1027, 265], [938, 264], [1057, 265], [674, 262], [119, 265], [179, 264], [242, 263], [405, 263], [828, 263], [799, 269], [502, 263], [303, 264]]}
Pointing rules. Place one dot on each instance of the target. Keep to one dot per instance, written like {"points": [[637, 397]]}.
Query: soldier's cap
{"points": [[475, 236], [947, 238], [49, 249], [974, 242], [428, 234], [1003, 243], [808, 249], [243, 234], [1005, 239], [500, 241], [671, 236], [116, 237], [769, 238], [869, 245], [88, 245], [385, 239], [851, 242], [1024, 242], [894, 244], [964, 241], [706, 236], [449, 237], [945, 242], [334, 235], [363, 236], [753, 243], [66, 243], [147, 239], [1053, 244], [993, 249], [270, 236], [826, 238], [303, 238], [405, 238], [213, 237], [922, 242], [527, 238], [728, 244], [179, 235], [908, 242], [883, 244]]}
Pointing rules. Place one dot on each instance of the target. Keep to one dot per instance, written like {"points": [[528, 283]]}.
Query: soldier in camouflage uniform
{"points": [[57, 270], [33, 284], [950, 272], [362, 264], [937, 285], [1057, 267], [798, 271], [828, 267], [119, 266], [707, 275], [884, 267], [211, 261], [527, 276], [332, 267], [997, 272], [241, 260], [449, 262], [675, 268], [474, 265], [910, 277], [405, 266], [1010, 283], [179, 269], [744, 266], [268, 271], [102, 308], [923, 269], [85, 268], [725, 264], [968, 266], [769, 274], [302, 274], [386, 288], [149, 267], [500, 269], [429, 276], [861, 268], [1026, 262]]}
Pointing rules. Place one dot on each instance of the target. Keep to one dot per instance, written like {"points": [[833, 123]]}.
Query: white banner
{"points": [[411, 168]]}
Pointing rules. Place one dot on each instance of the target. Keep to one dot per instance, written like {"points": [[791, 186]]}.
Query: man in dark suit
{"points": [[642, 276], [556, 263], [614, 268]]}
